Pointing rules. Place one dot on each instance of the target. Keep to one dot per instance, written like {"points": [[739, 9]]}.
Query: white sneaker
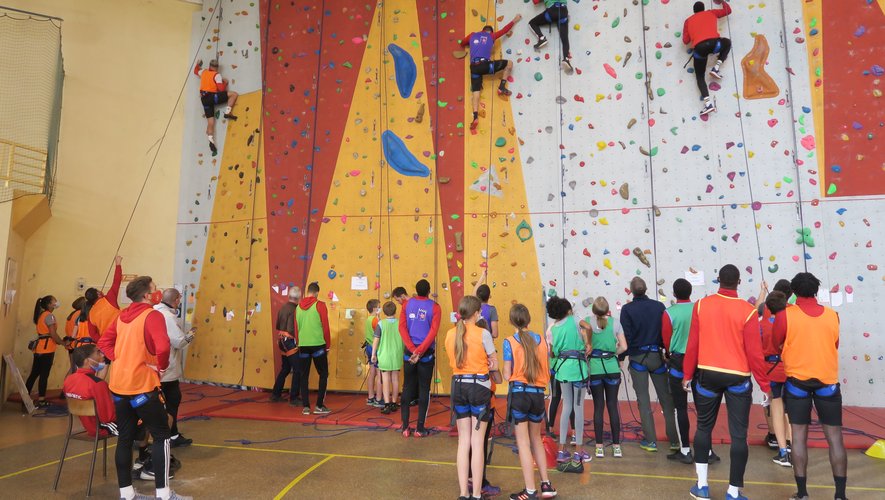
{"points": [[616, 451], [566, 66], [709, 107], [600, 452]]}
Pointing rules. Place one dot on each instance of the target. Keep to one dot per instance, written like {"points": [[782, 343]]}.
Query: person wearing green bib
{"points": [[312, 319], [607, 341], [373, 379], [387, 355], [569, 364]]}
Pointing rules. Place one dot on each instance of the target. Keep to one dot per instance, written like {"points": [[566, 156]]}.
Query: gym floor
{"points": [[293, 460]]}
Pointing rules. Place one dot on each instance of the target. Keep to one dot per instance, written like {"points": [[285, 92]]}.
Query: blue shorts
{"points": [[369, 355]]}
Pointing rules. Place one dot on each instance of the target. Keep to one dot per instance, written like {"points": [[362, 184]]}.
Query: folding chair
{"points": [[84, 408]]}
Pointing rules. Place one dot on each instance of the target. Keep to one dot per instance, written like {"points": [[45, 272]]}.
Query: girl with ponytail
{"points": [[44, 346], [526, 367], [471, 352], [607, 341]]}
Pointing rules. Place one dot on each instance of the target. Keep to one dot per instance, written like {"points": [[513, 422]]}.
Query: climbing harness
{"points": [[741, 388], [825, 391]]}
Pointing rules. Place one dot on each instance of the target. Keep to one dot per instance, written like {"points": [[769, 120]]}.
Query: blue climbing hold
{"points": [[400, 158], [405, 68]]}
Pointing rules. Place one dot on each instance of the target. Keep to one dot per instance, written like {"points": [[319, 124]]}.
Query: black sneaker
{"points": [[685, 458], [413, 402], [541, 42], [547, 490], [147, 471], [234, 117], [771, 440], [713, 457], [321, 410], [524, 495], [388, 409], [174, 463], [275, 399], [575, 466], [504, 91], [213, 148], [296, 402], [784, 460], [180, 442]]}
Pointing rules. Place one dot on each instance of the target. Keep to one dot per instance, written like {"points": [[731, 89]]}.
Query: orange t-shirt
{"points": [[810, 350]]}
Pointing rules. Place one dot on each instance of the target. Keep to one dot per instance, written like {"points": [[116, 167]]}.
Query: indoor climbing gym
{"points": [[442, 249]]}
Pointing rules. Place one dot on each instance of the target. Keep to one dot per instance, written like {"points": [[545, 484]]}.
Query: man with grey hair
{"points": [[288, 344], [178, 342], [641, 321]]}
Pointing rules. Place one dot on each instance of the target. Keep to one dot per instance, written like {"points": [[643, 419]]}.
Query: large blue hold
{"points": [[406, 70], [400, 158]]}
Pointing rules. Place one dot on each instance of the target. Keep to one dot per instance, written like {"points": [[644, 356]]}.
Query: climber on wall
{"points": [[555, 12], [481, 63], [701, 33], [213, 91]]}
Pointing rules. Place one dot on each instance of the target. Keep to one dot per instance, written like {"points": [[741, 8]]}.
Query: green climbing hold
{"points": [[444, 15], [831, 189], [661, 92], [805, 237], [638, 75], [673, 130], [551, 292], [442, 104], [500, 142], [653, 151], [773, 268], [347, 65], [658, 54], [788, 180], [521, 231], [455, 216], [429, 240], [619, 87], [538, 77], [616, 22]]}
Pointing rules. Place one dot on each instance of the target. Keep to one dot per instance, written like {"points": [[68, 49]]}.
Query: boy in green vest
{"points": [[387, 355], [373, 381]]}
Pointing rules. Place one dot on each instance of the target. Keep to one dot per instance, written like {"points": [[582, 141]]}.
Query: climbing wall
{"points": [[571, 186]]}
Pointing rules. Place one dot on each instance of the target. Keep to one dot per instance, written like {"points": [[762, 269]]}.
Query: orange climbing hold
{"points": [[757, 83]]}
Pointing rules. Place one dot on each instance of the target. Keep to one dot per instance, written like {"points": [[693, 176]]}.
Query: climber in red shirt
{"points": [[702, 34]]}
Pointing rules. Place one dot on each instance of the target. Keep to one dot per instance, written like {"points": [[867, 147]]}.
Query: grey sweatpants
{"points": [[652, 361], [572, 399]]}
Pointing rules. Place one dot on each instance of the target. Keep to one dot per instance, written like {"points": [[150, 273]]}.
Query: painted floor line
{"points": [[301, 476], [54, 462], [510, 467]]}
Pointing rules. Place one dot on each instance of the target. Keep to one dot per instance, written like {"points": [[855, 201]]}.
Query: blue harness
{"points": [[316, 354], [426, 359], [549, 19], [642, 368], [825, 391], [716, 49], [741, 388], [471, 378], [521, 387], [600, 354]]}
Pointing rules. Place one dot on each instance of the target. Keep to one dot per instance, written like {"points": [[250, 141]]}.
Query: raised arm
{"points": [[506, 29], [114, 291], [724, 11]]}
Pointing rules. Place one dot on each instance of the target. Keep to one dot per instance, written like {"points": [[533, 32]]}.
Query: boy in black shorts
{"points": [[213, 91]]}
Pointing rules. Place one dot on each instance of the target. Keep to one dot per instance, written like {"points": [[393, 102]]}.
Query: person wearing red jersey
{"points": [[86, 384], [138, 345], [213, 91], [701, 33], [724, 348], [809, 334]]}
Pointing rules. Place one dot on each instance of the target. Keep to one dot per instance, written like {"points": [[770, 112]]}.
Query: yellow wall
{"points": [[125, 62]]}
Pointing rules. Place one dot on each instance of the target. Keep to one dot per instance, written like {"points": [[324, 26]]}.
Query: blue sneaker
{"points": [[563, 456], [648, 446], [739, 497], [699, 493]]}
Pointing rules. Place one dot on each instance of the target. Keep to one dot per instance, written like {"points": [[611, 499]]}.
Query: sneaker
{"points": [[491, 490], [405, 430], [180, 442], [305, 410], [574, 440], [388, 409], [370, 402], [797, 497], [600, 452], [715, 72], [571, 466], [789, 446], [413, 402], [174, 463], [547, 490], [234, 117], [713, 458], [709, 107], [685, 458], [583, 456], [563, 456], [141, 496], [524, 495], [147, 472], [321, 410], [421, 433], [739, 497], [566, 66], [379, 404], [645, 445], [675, 447], [176, 496], [616, 451], [504, 91], [296, 402], [275, 399], [541, 42], [699, 493], [784, 460], [771, 440], [213, 148]]}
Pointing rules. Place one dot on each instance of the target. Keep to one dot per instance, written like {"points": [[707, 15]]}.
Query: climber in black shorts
{"points": [[481, 63]]}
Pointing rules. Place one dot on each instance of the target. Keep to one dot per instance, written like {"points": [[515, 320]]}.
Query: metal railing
{"points": [[23, 167]]}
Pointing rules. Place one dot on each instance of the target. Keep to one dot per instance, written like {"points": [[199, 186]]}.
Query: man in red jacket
{"points": [[138, 345], [85, 384], [702, 34]]}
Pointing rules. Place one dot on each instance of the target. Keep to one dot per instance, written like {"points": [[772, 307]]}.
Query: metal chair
{"points": [[84, 408]]}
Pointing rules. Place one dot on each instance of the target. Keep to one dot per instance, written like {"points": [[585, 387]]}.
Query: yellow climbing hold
{"points": [[607, 263], [603, 221], [600, 145]]}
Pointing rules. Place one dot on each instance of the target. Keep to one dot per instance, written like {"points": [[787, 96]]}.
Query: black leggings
{"points": [[321, 362], [558, 15], [555, 398], [738, 419], [41, 368], [680, 400], [172, 395], [606, 395], [153, 415], [416, 385], [703, 50]]}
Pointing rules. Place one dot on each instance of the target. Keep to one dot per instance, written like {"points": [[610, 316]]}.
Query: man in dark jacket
{"points": [[288, 349]]}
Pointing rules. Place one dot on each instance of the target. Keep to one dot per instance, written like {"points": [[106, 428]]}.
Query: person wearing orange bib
{"points": [[71, 323], [471, 352], [724, 348], [809, 334], [213, 91], [101, 310], [526, 368], [44, 346], [138, 346]]}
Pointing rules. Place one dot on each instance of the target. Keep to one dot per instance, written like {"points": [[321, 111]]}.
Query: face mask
{"points": [[55, 305], [99, 366]]}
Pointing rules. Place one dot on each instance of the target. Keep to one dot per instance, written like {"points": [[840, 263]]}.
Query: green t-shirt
{"points": [[680, 318], [552, 3], [310, 327], [606, 340], [567, 337]]}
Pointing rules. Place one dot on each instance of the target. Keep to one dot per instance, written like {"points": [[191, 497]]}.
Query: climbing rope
{"points": [[384, 121], [159, 146], [491, 17], [378, 129]]}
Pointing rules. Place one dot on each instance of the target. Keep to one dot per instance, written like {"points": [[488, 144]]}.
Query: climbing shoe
{"points": [[230, 116], [541, 42], [566, 66], [504, 91], [474, 124], [709, 107], [213, 148], [715, 72], [771, 441]]}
